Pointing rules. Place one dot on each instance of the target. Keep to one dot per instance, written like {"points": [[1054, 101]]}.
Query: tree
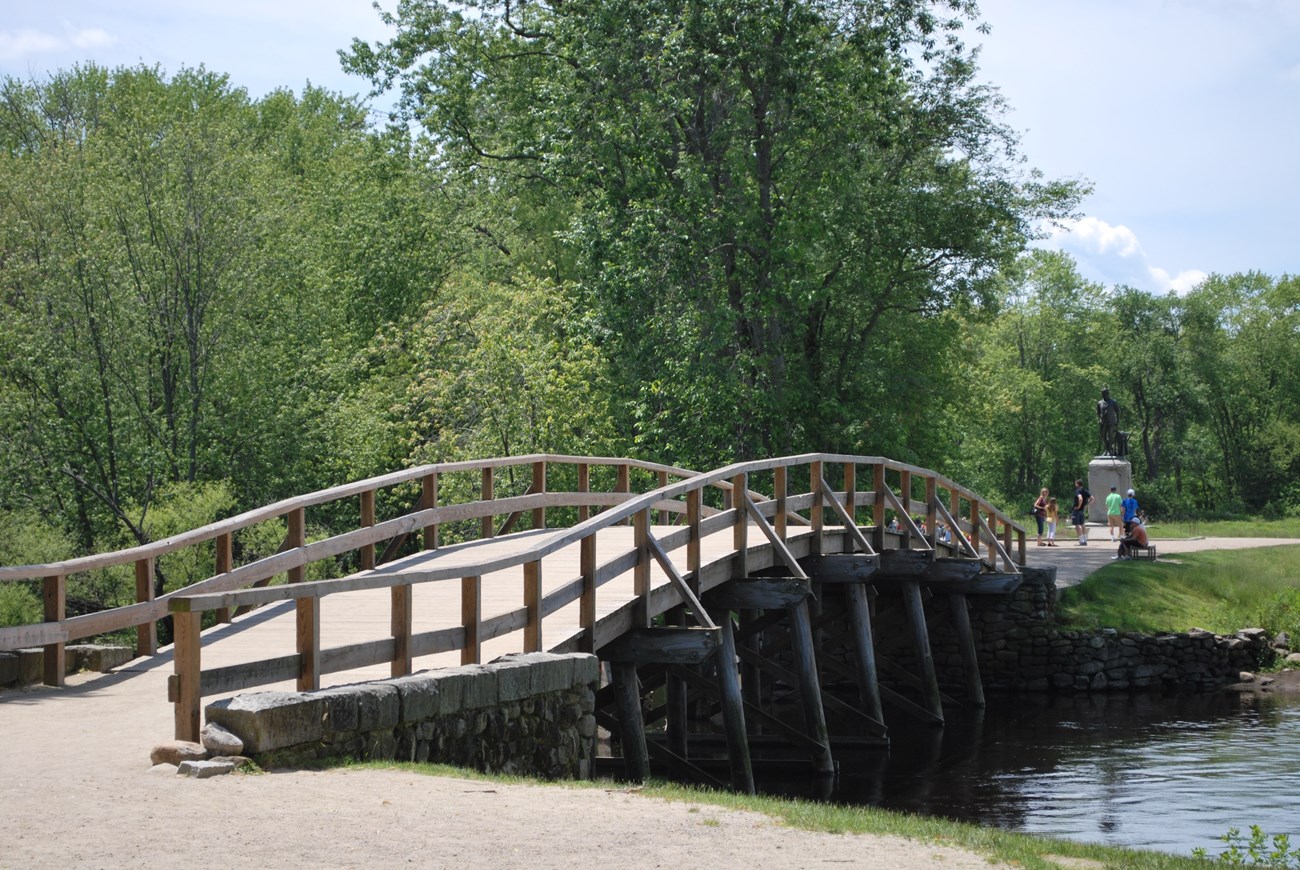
{"points": [[761, 203]]}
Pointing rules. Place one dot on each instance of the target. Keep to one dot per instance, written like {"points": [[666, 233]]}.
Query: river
{"points": [[1169, 773]]}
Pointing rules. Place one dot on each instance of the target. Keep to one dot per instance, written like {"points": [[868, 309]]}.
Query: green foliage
{"points": [[1257, 850], [20, 604]]}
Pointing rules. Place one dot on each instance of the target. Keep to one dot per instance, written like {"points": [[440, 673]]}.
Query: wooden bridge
{"points": [[701, 591]]}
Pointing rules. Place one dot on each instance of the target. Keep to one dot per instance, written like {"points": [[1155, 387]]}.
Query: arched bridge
{"points": [[648, 566]]}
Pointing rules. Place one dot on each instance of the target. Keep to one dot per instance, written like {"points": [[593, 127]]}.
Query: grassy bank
{"points": [[1249, 528], [1221, 591], [1021, 850]]}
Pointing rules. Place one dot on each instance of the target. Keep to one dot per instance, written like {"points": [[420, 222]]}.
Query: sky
{"points": [[1183, 115]]}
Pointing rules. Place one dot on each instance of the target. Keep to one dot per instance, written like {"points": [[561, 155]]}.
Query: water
{"points": [[1168, 773]]}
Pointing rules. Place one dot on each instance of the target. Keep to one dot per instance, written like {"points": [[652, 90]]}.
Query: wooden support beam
{"points": [[864, 650], [759, 593], [665, 517], [878, 509], [400, 628], [851, 493], [146, 633], [367, 520], [486, 494], [931, 508], [966, 642], [845, 568], [664, 646], [54, 596], [471, 617], [781, 485], [429, 501], [587, 601], [187, 670], [539, 486], [308, 642], [815, 511], [810, 693], [686, 590], [905, 563], [949, 570], [641, 570], [733, 710], [225, 559], [533, 606], [778, 543], [921, 643], [694, 513], [828, 701], [636, 758], [677, 699], [851, 527], [755, 714], [740, 530]]}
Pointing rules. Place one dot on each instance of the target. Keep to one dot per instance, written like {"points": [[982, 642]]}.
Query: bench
{"points": [[1147, 552]]}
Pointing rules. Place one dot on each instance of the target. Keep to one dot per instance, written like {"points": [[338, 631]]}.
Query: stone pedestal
{"points": [[1103, 473]]}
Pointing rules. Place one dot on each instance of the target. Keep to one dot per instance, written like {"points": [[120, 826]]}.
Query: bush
{"points": [[19, 605]]}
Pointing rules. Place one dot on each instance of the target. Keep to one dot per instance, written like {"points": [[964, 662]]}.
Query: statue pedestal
{"points": [[1103, 473]]}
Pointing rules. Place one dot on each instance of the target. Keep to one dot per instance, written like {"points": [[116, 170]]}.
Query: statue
{"points": [[1108, 420]]}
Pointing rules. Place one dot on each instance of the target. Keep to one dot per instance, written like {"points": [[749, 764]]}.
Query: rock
{"points": [[100, 658], [237, 760], [1294, 658], [1253, 634], [176, 751], [1245, 677], [204, 769], [163, 767], [1265, 681], [272, 720], [219, 741], [1282, 641]]}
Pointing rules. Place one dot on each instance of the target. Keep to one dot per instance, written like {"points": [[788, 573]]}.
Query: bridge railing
{"points": [[894, 487]]}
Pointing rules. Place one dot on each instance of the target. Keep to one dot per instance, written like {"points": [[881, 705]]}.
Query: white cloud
{"points": [[26, 43], [1113, 255]]}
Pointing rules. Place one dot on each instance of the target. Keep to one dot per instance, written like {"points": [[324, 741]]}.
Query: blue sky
{"points": [[1184, 114]]}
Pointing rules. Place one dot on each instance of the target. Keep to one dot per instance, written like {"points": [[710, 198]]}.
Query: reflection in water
{"points": [[1169, 773]]}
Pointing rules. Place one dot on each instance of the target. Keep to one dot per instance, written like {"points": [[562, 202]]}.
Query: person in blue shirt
{"points": [[1129, 506]]}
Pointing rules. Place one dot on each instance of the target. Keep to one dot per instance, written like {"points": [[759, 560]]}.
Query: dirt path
{"points": [[1073, 562]]}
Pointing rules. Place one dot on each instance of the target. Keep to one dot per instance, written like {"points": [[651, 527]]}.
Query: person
{"points": [[1053, 514], [1079, 512], [1108, 424], [1136, 537], [1040, 513], [1130, 509], [1114, 508]]}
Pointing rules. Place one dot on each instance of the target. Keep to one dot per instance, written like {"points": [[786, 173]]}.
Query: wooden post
{"points": [[810, 690], [905, 487], [146, 633], [954, 511], [921, 642], [471, 617], [587, 604], [931, 509], [740, 527], [186, 666], [665, 517], [864, 650], [975, 526], [636, 757], [694, 510], [584, 485], [485, 494], [533, 606], [225, 562], [991, 517], [367, 520], [677, 698], [429, 500], [539, 488], [878, 510], [641, 572], [296, 537], [815, 511], [308, 626], [780, 483], [401, 629], [966, 640], [1020, 548], [733, 708], [55, 598], [850, 490], [624, 484]]}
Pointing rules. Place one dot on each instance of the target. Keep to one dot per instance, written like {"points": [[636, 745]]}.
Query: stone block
{"points": [[339, 714], [31, 666], [554, 674], [204, 769], [220, 742], [8, 668], [100, 658], [175, 751], [451, 685], [271, 720], [419, 696], [480, 688], [379, 707], [514, 678]]}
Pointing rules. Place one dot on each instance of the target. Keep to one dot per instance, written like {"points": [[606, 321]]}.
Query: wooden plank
{"points": [[760, 593], [663, 646], [948, 570], [471, 618], [905, 563], [931, 509], [54, 599], [849, 525], [777, 542], [37, 634], [248, 675]]}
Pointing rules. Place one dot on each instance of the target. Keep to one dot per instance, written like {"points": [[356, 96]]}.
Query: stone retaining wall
{"points": [[522, 714], [26, 666], [1020, 648]]}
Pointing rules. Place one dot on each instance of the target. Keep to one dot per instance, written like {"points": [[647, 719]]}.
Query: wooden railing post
{"points": [[367, 520], [641, 572], [931, 509], [485, 494], [815, 510], [587, 604], [533, 606], [878, 509], [186, 666], [401, 620], [55, 599], [624, 483], [975, 526], [225, 562], [146, 633], [539, 488], [781, 485], [740, 527], [471, 617], [429, 500], [850, 490], [665, 517], [905, 497], [694, 511], [954, 511], [584, 485], [307, 611]]}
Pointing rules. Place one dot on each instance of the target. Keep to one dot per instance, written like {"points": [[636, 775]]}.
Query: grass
{"points": [[1021, 850], [1249, 528], [1222, 591]]}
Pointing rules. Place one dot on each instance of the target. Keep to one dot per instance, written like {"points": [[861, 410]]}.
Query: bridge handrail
{"points": [[54, 632]]}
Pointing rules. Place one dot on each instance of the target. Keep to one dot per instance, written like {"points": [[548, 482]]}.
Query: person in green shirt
{"points": [[1114, 510]]}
